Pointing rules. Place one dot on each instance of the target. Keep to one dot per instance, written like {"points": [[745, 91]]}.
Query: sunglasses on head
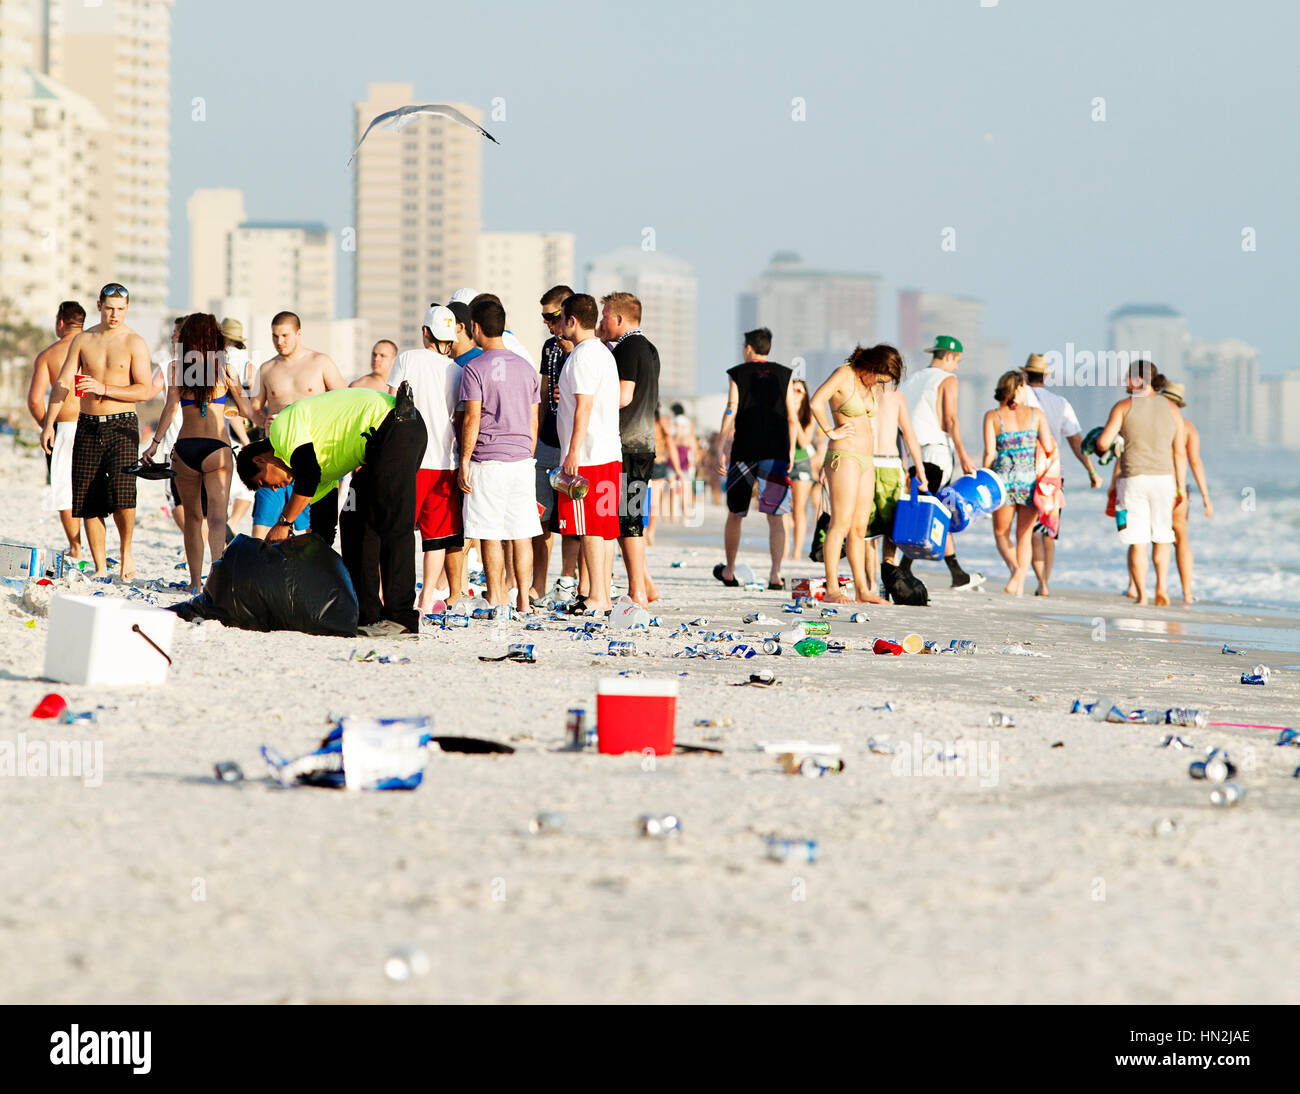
{"points": [[552, 316], [113, 289]]}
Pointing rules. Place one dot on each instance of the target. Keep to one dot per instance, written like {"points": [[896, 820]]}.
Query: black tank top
{"points": [[762, 427]]}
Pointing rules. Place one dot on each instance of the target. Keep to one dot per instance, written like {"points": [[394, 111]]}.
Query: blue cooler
{"points": [[921, 525]]}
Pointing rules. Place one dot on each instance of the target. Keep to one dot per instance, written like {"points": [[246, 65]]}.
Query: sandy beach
{"points": [[1034, 877]]}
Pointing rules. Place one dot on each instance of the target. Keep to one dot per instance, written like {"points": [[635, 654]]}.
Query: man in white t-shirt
{"points": [[1064, 424], [587, 419], [435, 386]]}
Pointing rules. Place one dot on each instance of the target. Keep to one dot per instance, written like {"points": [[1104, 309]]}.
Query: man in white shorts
{"points": [[1151, 475], [501, 396]]}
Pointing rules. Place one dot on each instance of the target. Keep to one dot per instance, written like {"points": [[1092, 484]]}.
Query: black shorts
{"points": [[634, 504], [104, 445]]}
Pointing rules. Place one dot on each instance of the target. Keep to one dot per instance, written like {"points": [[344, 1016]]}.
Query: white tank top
{"points": [[922, 392]]}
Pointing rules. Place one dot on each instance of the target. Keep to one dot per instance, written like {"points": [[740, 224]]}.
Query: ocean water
{"points": [[1246, 555]]}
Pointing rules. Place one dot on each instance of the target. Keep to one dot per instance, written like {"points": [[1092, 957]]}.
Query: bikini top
{"points": [[855, 406], [203, 410]]}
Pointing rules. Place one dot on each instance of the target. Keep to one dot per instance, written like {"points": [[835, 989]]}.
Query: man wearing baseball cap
{"points": [[435, 387], [1176, 394], [932, 404], [1064, 424]]}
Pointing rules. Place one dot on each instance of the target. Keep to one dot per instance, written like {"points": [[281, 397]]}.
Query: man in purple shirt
{"points": [[501, 394]]}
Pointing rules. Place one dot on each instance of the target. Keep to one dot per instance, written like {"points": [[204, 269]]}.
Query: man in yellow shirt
{"points": [[380, 439]]}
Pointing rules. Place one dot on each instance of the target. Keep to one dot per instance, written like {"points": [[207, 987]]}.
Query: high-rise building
{"points": [[66, 262], [1222, 380], [117, 54], [284, 266], [668, 291], [18, 241], [1154, 332], [816, 316], [519, 267], [418, 213], [1277, 411], [213, 216], [923, 316]]}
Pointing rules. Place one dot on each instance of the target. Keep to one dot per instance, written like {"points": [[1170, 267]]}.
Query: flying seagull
{"points": [[405, 115]]}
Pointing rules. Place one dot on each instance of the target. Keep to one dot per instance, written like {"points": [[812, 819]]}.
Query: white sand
{"points": [[929, 888]]}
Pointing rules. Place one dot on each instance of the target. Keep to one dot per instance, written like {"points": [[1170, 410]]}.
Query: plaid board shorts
{"points": [[105, 443], [772, 477]]}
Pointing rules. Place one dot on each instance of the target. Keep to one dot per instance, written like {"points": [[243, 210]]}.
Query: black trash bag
{"points": [[817, 551], [298, 584]]}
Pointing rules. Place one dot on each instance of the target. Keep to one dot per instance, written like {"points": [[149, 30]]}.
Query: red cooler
{"points": [[633, 715]]}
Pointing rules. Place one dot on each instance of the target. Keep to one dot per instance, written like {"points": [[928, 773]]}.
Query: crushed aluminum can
{"points": [[1174, 742], [78, 717], [742, 650], [834, 647], [881, 746], [998, 720], [579, 730], [656, 621], [659, 825], [762, 678], [1253, 678], [792, 609], [1229, 649], [595, 625], [1289, 737], [1167, 826], [481, 613], [533, 626], [228, 771], [755, 617], [754, 587], [546, 824], [962, 645], [772, 647], [1185, 716], [622, 649], [677, 565], [859, 617], [828, 613], [1227, 794], [454, 620], [581, 635], [780, 849], [1080, 707], [700, 622], [811, 767]]}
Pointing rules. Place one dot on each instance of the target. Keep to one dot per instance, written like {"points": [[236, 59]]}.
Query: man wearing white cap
{"points": [[435, 387], [1064, 424]]}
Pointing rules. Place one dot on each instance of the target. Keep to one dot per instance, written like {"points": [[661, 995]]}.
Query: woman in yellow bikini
{"points": [[850, 469]]}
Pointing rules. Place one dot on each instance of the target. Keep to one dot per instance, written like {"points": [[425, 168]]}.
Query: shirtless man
{"points": [[45, 372], [292, 374], [109, 367], [381, 364]]}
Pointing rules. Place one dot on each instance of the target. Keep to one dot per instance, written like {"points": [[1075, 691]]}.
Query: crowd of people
{"points": [[866, 434], [469, 442]]}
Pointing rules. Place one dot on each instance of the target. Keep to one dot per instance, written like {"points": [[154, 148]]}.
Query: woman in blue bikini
{"points": [[1011, 435], [200, 383]]}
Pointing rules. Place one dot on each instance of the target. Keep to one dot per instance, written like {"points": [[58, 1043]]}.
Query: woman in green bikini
{"points": [[850, 468]]}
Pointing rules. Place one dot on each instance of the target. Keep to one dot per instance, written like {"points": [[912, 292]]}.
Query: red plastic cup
{"points": [[51, 706], [633, 715], [884, 645]]}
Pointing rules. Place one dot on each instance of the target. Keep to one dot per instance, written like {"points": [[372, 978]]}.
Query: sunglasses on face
{"points": [[552, 316], [113, 290]]}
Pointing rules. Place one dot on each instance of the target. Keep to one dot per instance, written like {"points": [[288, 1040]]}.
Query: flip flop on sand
{"points": [[729, 582]]}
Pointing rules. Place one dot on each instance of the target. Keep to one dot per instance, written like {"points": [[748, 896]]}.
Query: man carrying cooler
{"points": [[381, 439]]}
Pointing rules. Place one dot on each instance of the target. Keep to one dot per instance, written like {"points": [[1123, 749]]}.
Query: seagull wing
{"points": [[402, 116]]}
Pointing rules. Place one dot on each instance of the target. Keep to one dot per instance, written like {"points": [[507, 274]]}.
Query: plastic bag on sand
{"points": [[297, 584], [360, 754]]}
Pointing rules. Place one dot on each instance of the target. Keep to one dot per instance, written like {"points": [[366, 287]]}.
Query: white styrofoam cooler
{"points": [[101, 640]]}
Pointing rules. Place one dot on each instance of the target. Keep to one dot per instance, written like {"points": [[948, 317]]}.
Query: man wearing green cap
{"points": [[932, 404]]}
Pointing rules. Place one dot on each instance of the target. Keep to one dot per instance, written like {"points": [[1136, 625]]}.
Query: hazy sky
{"points": [[920, 115]]}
